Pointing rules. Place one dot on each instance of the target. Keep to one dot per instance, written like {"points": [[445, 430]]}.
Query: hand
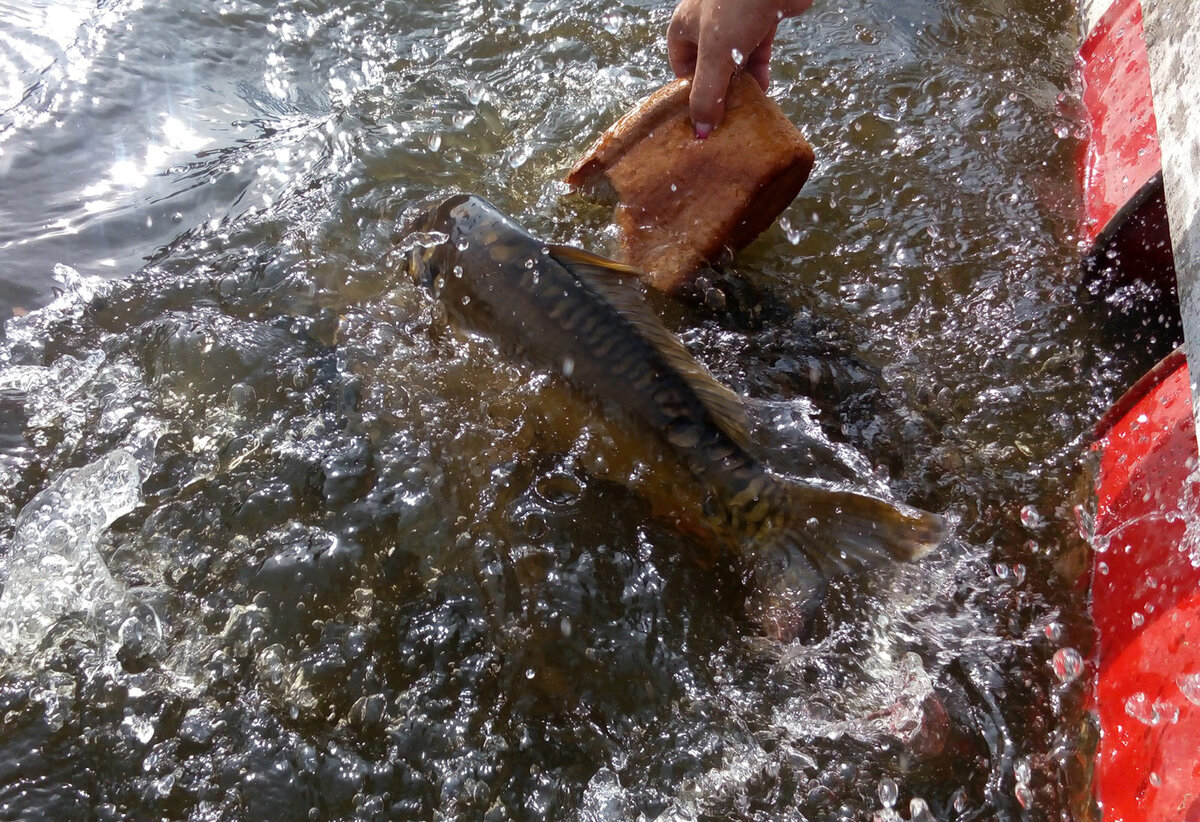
{"points": [[709, 39]]}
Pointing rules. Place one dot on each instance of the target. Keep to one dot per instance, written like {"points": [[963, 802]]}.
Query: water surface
{"points": [[280, 543]]}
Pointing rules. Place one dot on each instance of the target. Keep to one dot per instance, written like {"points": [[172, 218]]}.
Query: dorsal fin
{"points": [[612, 281]]}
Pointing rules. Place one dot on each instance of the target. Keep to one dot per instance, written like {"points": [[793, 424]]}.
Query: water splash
{"points": [[53, 567]]}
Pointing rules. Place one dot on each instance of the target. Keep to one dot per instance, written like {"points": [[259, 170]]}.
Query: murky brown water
{"points": [[368, 567]]}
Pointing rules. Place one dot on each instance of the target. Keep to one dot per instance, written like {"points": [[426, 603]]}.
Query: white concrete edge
{"points": [[1090, 11], [1172, 33]]}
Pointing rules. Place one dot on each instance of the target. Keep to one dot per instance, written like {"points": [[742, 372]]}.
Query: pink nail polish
{"points": [[703, 130]]}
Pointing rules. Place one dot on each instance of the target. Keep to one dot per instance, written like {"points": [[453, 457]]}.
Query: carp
{"points": [[584, 315]]}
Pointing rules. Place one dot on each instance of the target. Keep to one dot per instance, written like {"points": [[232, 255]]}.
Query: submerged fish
{"points": [[571, 310]]}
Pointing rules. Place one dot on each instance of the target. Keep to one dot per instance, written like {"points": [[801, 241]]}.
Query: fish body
{"points": [[582, 314]]}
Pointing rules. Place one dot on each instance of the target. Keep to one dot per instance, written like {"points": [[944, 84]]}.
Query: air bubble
{"points": [[889, 792], [1067, 664]]}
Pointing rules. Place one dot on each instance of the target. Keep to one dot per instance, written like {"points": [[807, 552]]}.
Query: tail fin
{"points": [[828, 533]]}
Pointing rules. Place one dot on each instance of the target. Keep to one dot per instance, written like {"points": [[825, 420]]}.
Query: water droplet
{"points": [[1023, 772], [434, 141], [907, 145], [918, 810], [568, 366], [1189, 684], [1067, 664], [1061, 131], [888, 792], [476, 91], [457, 271], [1155, 779], [737, 56], [1140, 708], [462, 119], [793, 233], [612, 22], [466, 299], [518, 155], [1137, 619], [177, 217], [1030, 517]]}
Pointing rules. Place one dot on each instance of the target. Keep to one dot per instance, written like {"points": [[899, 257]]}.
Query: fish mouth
{"points": [[416, 239]]}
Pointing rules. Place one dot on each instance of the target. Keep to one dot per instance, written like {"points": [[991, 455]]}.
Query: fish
{"points": [[585, 316]]}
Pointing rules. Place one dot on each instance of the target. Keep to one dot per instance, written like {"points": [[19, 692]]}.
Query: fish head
{"points": [[421, 241], [437, 236]]}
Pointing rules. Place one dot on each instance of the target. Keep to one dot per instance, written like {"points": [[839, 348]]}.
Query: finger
{"points": [[681, 43], [714, 67], [758, 65], [682, 54]]}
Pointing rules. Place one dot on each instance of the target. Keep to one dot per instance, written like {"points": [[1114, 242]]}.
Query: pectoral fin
{"points": [[575, 258]]}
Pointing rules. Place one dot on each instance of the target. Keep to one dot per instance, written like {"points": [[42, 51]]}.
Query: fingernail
{"points": [[703, 130]]}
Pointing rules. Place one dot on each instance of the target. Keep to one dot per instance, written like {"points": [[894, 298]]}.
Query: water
{"points": [[371, 568]]}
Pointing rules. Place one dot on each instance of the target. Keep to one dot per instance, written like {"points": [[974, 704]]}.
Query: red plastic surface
{"points": [[1146, 605], [1149, 703], [1122, 153]]}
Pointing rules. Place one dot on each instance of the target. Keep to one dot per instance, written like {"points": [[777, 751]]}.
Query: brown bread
{"points": [[682, 202]]}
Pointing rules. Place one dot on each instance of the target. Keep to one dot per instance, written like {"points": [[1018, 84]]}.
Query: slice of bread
{"points": [[684, 202]]}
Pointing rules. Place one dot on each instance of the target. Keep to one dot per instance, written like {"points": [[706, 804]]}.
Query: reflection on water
{"points": [[370, 568]]}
